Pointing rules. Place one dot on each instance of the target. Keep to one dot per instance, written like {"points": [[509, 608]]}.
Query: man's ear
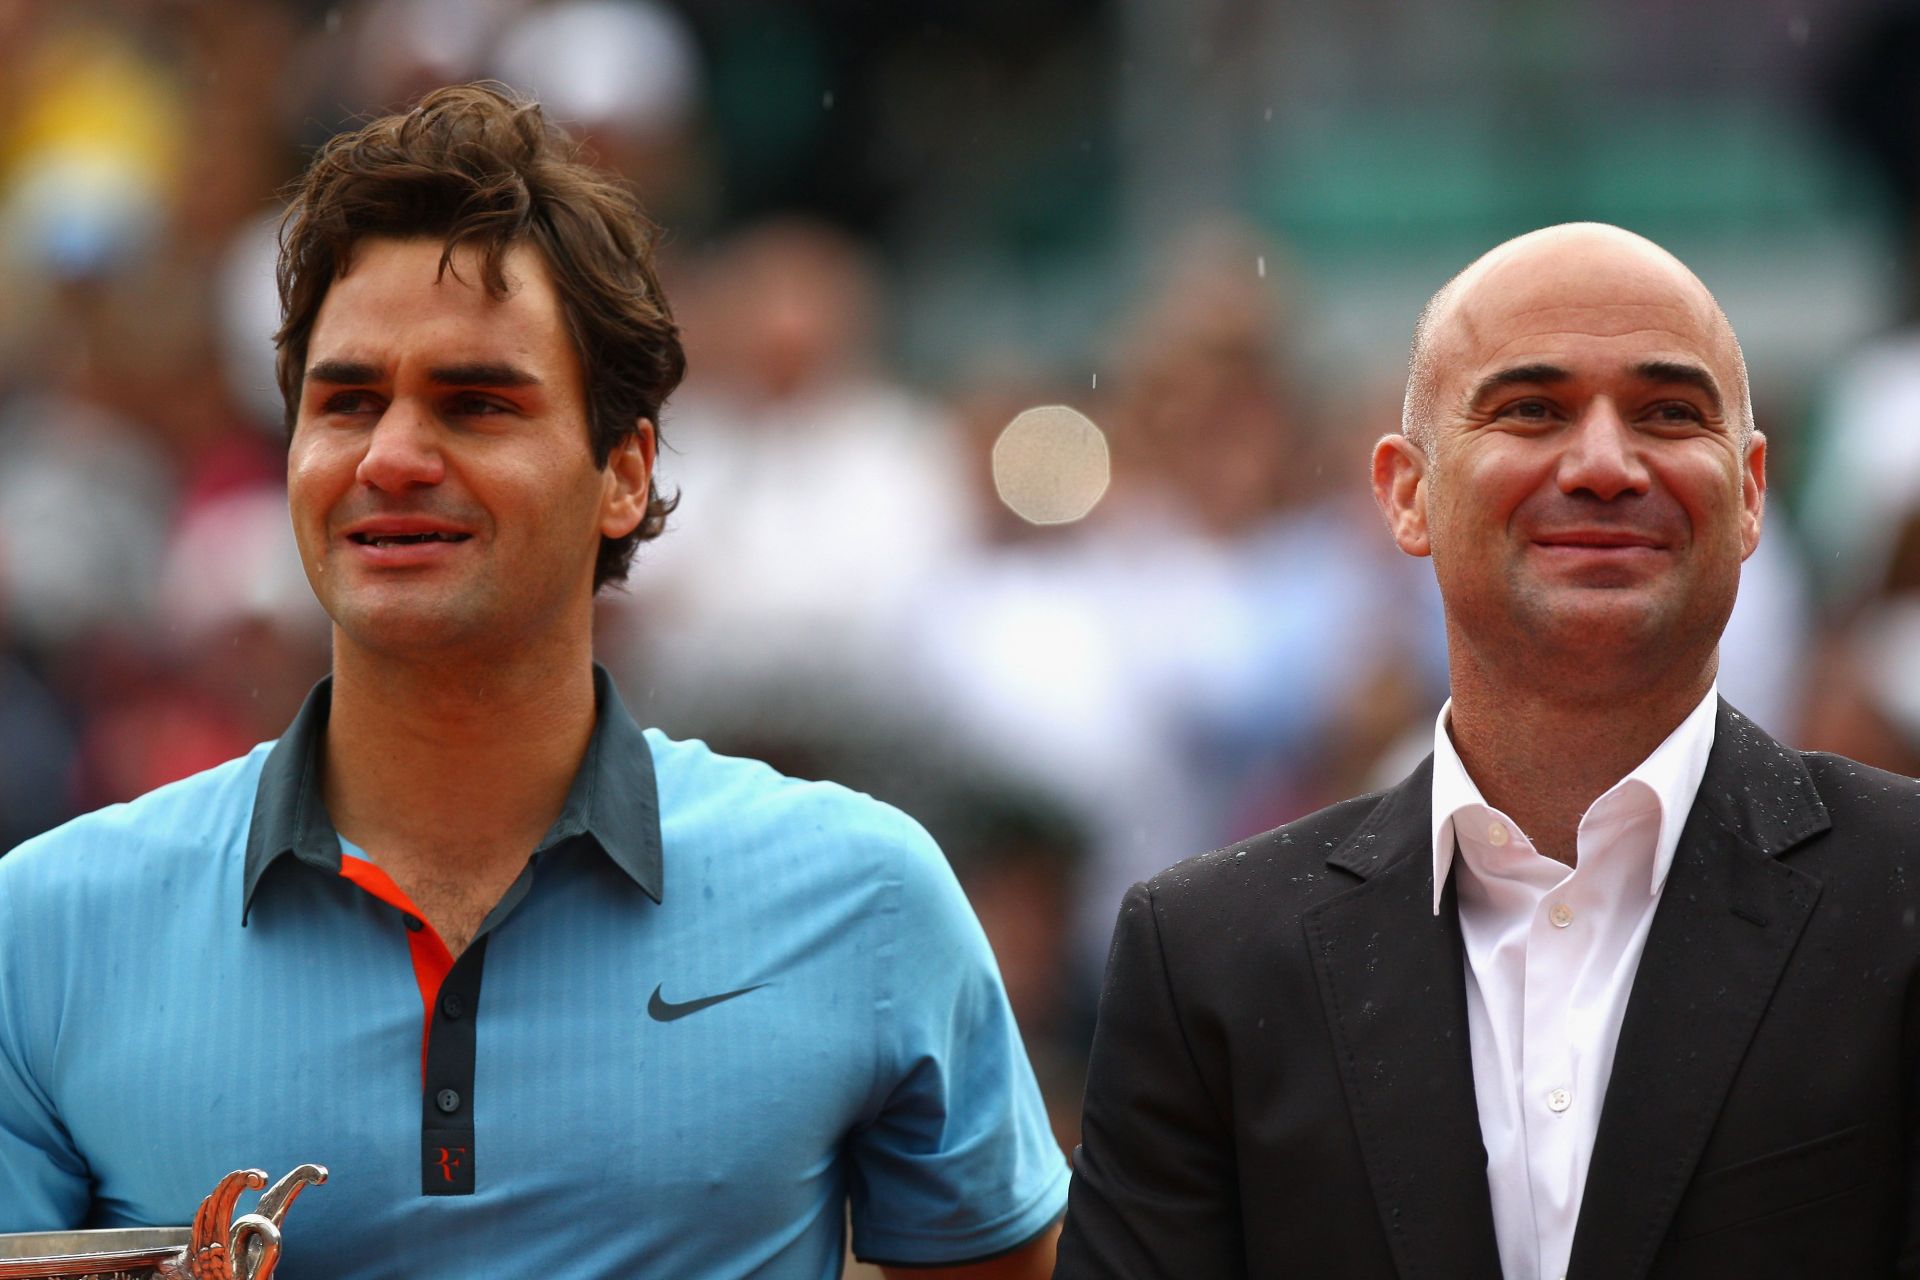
{"points": [[1400, 489], [1753, 493], [629, 473]]}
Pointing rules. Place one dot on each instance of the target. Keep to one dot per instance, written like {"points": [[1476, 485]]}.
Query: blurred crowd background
{"points": [[1079, 650]]}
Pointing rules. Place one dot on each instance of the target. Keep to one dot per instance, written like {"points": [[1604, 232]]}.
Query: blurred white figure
{"points": [[1183, 665], [241, 623], [628, 76], [74, 562], [626, 64], [817, 495], [1864, 466], [248, 311], [1068, 660], [1763, 652], [233, 563]]}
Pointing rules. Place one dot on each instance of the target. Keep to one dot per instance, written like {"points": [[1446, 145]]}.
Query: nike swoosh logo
{"points": [[665, 1011]]}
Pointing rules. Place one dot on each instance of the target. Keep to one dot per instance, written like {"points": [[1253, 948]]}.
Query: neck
{"points": [[1542, 757], [453, 764]]}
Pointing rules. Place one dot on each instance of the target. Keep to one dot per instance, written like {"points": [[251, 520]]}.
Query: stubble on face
{"points": [[1576, 449], [429, 400]]}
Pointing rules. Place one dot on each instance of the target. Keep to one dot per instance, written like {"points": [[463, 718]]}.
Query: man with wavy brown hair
{"points": [[550, 994], [587, 228]]}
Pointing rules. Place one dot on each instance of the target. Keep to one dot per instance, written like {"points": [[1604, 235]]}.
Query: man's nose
{"points": [[1602, 456], [403, 451]]}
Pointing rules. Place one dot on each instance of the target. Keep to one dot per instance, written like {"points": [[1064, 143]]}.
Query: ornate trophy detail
{"points": [[247, 1247], [218, 1246]]}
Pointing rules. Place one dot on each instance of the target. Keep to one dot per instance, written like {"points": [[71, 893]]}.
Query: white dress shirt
{"points": [[1551, 954]]}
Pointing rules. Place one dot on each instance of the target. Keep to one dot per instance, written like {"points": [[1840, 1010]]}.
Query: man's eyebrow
{"points": [[1533, 375], [1668, 371], [483, 373], [1685, 374], [342, 372], [478, 373]]}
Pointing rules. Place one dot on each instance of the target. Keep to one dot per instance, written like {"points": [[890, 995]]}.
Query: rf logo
{"points": [[450, 1160]]}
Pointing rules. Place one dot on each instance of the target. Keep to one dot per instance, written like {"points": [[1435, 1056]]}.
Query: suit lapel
{"points": [[1391, 977], [1728, 919]]}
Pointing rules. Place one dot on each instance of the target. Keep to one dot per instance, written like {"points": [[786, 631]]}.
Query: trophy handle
{"points": [[254, 1247], [208, 1256], [247, 1247], [275, 1200]]}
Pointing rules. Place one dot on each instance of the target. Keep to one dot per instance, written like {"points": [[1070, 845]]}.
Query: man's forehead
{"points": [[1603, 286], [376, 260], [393, 316], [392, 287]]}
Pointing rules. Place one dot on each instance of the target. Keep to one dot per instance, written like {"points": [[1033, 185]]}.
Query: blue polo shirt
{"points": [[717, 1005]]}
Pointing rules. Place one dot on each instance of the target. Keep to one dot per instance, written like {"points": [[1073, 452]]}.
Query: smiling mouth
{"points": [[1602, 546], [1599, 542], [403, 539]]}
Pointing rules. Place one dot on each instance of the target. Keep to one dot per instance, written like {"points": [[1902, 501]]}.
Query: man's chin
{"points": [[1599, 625], [404, 631]]}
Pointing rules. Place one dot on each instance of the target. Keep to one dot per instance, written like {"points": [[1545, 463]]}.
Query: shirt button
{"points": [[1561, 915], [452, 1005], [449, 1101], [414, 923], [1559, 1100], [1497, 834]]}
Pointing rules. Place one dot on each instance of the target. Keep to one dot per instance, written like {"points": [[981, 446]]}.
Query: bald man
{"points": [[1613, 985]]}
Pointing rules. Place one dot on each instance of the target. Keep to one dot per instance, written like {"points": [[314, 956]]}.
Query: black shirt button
{"points": [[414, 923], [447, 1100], [452, 1005]]}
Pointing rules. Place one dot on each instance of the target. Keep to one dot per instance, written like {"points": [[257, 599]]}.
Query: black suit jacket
{"points": [[1281, 1081]]}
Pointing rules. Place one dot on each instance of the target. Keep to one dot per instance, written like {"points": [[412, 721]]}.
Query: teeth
{"points": [[408, 539]]}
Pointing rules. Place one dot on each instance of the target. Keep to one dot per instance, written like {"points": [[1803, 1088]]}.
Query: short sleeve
{"points": [[43, 1181], [959, 1162]]}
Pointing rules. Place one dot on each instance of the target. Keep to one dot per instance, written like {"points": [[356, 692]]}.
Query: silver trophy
{"points": [[218, 1246]]}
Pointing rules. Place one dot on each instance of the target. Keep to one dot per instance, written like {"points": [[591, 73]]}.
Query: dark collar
{"points": [[614, 799]]}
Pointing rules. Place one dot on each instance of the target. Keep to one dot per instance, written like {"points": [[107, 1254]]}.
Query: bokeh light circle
{"points": [[1050, 465]]}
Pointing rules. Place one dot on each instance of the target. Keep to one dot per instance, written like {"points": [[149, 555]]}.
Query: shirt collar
{"points": [[1671, 774], [614, 799]]}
